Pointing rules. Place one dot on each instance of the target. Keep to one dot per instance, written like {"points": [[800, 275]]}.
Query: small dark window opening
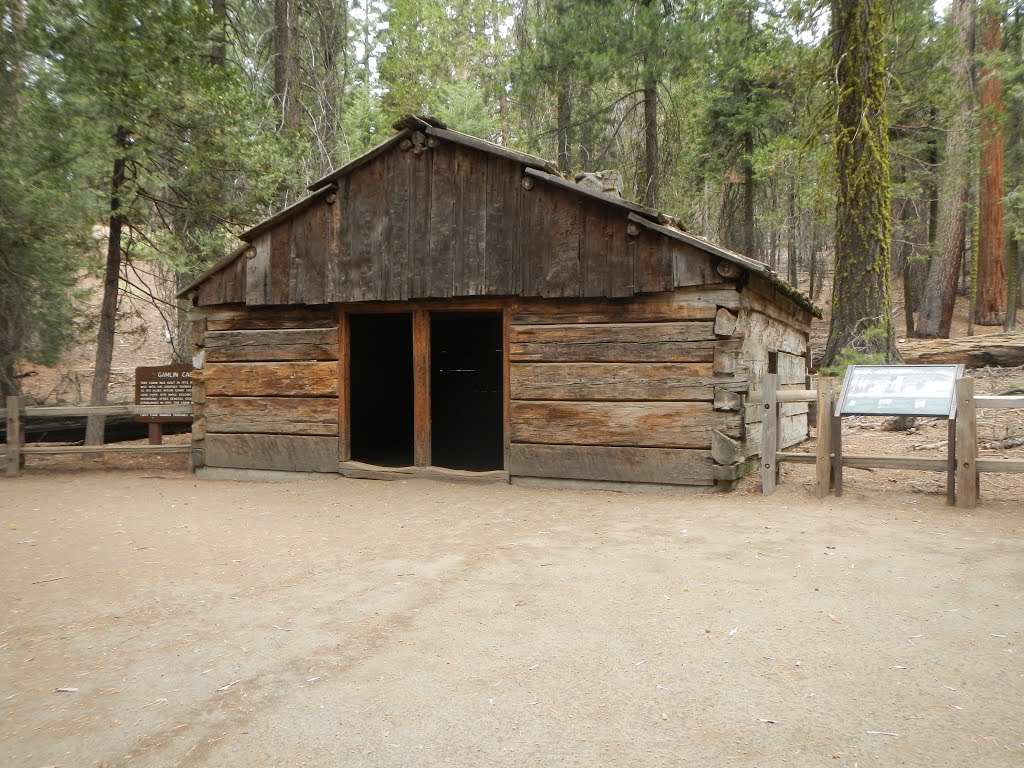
{"points": [[773, 362], [466, 391], [381, 389]]}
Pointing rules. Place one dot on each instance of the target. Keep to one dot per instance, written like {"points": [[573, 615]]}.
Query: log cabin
{"points": [[444, 306]]}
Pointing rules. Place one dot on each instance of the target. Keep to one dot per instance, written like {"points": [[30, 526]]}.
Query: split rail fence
{"points": [[15, 414], [962, 465]]}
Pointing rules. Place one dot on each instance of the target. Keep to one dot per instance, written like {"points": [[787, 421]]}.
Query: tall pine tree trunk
{"points": [[94, 426], [791, 247], [860, 287], [991, 287], [286, 66], [563, 128], [954, 191], [651, 154]]}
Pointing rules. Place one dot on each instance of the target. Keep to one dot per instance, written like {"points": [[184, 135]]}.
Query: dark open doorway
{"points": [[381, 389], [466, 391]]}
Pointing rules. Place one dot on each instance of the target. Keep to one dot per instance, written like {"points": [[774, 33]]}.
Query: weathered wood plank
{"points": [[611, 352], [562, 254], [332, 269], [279, 273], [281, 379], [725, 450], [616, 333], [593, 250], [648, 309], [769, 434], [613, 342], [728, 397], [612, 381], [290, 453], [672, 466], [664, 425], [343, 383], [398, 210], [54, 450], [621, 253], [272, 415], [469, 274], [234, 281], [966, 445], [753, 410], [652, 267], [792, 430], [257, 271], [310, 236], [691, 266], [502, 197], [725, 323], [211, 290], [443, 235], [534, 244], [291, 344], [276, 318], [792, 369], [368, 231], [823, 454], [420, 195]]}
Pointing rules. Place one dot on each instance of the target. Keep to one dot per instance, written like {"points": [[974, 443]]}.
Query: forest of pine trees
{"points": [[874, 145]]}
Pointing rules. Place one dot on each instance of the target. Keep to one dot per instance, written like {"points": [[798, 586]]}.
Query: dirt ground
{"points": [[152, 619]]}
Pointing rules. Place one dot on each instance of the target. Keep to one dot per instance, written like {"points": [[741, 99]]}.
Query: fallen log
{"points": [[1002, 350]]}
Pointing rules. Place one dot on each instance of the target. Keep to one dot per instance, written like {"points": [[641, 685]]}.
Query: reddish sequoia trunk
{"points": [[940, 293], [991, 301]]}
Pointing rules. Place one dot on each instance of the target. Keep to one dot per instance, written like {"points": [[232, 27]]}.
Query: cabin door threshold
{"points": [[365, 471]]}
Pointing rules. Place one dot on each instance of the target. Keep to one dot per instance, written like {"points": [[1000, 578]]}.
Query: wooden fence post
{"points": [[769, 432], [13, 436], [966, 445], [823, 450]]}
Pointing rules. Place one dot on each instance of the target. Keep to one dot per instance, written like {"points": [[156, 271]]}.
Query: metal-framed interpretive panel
{"points": [[899, 390]]}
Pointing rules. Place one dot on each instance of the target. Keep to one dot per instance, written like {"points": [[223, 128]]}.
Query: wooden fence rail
{"points": [[962, 467], [15, 415]]}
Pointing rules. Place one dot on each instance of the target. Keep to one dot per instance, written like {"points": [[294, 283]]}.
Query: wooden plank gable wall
{"points": [[448, 221]]}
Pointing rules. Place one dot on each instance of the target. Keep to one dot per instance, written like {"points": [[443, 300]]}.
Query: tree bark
{"points": [[218, 43], [991, 287], [791, 247], [937, 303], [651, 154], [564, 124], [861, 303], [1013, 265], [94, 426], [285, 63]]}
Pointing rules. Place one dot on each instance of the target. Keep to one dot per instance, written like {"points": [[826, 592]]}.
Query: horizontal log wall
{"points": [[621, 392], [266, 388], [767, 324]]}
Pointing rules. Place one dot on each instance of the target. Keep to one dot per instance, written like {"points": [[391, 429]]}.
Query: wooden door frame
{"points": [[420, 312]]}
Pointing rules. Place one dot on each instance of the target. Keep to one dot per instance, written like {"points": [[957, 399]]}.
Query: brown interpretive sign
{"points": [[162, 385]]}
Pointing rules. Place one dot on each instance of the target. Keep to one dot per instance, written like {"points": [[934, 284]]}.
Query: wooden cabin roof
{"points": [[435, 213]]}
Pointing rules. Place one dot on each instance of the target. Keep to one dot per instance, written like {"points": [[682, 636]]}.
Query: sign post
{"points": [[899, 390], [162, 385]]}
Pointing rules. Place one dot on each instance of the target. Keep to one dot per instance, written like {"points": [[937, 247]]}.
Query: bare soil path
{"points": [[344, 622]]}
